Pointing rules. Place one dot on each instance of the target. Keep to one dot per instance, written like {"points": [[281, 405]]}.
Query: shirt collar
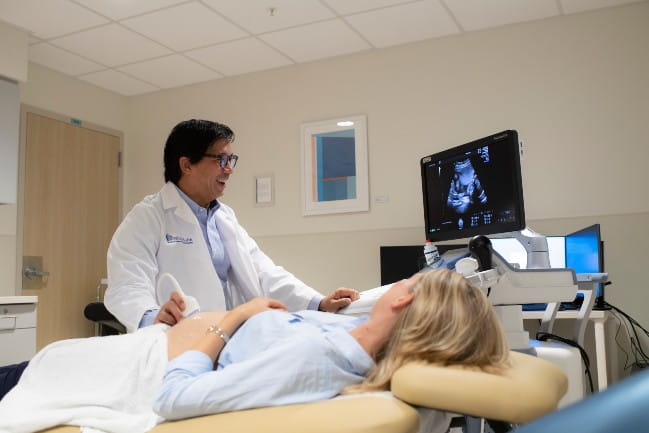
{"points": [[196, 209]]}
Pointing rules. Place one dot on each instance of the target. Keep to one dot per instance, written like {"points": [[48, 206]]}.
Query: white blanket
{"points": [[100, 384]]}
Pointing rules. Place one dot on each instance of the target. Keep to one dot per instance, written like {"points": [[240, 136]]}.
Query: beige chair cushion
{"points": [[363, 414], [528, 389]]}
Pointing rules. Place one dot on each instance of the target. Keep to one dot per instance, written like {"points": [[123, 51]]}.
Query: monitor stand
{"points": [[536, 246]]}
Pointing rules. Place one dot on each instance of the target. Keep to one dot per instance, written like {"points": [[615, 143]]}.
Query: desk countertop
{"points": [[570, 314], [6, 300]]}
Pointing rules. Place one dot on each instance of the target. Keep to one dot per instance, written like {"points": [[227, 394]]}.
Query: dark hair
{"points": [[191, 138]]}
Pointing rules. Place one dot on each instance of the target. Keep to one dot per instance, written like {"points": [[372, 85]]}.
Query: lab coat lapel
{"points": [[210, 295], [243, 269]]}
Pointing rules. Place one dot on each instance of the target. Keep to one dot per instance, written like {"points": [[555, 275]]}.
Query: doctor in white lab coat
{"points": [[185, 231]]}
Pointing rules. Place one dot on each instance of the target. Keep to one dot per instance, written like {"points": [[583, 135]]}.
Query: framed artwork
{"points": [[334, 166]]}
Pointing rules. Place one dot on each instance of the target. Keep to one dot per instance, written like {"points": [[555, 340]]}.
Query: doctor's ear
{"points": [[185, 164]]}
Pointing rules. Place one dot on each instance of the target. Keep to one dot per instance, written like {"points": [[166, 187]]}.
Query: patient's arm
{"points": [[184, 335], [189, 332], [297, 370]]}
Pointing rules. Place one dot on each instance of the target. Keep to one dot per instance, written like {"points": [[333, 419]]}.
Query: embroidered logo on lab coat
{"points": [[175, 239]]}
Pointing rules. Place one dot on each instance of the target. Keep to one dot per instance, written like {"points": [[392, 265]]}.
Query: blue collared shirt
{"points": [[275, 358]]}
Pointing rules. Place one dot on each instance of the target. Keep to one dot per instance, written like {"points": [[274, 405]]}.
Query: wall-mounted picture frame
{"points": [[334, 166]]}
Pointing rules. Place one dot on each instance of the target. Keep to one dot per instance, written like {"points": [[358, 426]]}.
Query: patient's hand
{"points": [[258, 305], [339, 298]]}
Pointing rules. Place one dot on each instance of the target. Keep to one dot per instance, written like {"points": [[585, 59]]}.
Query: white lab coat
{"points": [[161, 234]]}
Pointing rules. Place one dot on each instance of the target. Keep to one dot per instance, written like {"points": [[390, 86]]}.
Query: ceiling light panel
{"points": [[239, 57], [316, 41], [118, 82], [61, 60], [417, 21], [480, 14], [572, 6], [48, 19], [170, 71], [111, 45], [120, 9], [345, 7], [187, 26], [256, 17]]}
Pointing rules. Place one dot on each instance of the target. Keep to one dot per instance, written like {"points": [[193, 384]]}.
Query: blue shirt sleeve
{"points": [[314, 304], [147, 318], [298, 370]]}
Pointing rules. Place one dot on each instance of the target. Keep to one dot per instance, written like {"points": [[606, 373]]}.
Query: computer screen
{"points": [[473, 189], [514, 252]]}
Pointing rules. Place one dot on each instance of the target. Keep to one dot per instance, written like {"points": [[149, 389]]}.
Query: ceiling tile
{"points": [[416, 21], [480, 14], [190, 25], [118, 82], [572, 6], [239, 57], [254, 15], [60, 60], [119, 9], [111, 45], [170, 71], [48, 19], [316, 41], [345, 7]]}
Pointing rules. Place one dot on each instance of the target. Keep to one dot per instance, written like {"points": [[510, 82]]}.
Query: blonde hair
{"points": [[449, 322]]}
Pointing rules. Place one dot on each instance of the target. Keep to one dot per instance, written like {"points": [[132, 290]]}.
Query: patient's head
{"points": [[449, 322]]}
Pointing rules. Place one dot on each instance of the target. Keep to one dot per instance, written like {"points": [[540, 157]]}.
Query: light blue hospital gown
{"points": [[275, 358]]}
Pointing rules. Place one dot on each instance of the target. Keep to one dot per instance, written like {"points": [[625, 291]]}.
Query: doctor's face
{"points": [[206, 180]]}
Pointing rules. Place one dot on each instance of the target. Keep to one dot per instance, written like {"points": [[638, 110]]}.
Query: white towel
{"points": [[103, 384]]}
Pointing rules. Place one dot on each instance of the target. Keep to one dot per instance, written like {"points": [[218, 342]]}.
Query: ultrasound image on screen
{"points": [[471, 190]]}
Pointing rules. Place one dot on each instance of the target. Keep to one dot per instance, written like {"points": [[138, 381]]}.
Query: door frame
{"points": [[24, 110]]}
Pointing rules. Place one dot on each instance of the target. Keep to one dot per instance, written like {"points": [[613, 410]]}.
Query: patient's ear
{"points": [[402, 301]]}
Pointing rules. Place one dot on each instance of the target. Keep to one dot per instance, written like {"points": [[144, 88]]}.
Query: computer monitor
{"points": [[402, 261], [473, 189], [585, 254], [513, 251]]}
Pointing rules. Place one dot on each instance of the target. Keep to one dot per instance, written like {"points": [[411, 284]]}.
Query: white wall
{"points": [[13, 52]]}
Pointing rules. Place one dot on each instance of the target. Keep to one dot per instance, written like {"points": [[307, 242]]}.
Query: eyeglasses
{"points": [[224, 159]]}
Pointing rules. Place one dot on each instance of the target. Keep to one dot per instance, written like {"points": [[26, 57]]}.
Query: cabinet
{"points": [[17, 328]]}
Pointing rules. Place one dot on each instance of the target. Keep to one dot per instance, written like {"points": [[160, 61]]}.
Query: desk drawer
{"points": [[17, 316], [17, 346]]}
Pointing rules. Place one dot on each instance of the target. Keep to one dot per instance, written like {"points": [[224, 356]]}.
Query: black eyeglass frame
{"points": [[224, 159]]}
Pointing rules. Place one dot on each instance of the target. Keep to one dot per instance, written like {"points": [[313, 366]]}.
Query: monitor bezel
{"points": [[508, 138]]}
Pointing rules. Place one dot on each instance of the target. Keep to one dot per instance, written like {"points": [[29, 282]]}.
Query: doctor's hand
{"points": [[171, 312], [339, 298], [258, 305]]}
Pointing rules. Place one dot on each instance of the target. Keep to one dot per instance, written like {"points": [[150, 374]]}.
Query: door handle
{"points": [[30, 272]]}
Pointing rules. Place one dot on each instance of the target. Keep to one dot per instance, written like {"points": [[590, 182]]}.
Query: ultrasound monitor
{"points": [[473, 189]]}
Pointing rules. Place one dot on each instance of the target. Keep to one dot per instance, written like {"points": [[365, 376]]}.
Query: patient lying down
{"points": [[131, 382]]}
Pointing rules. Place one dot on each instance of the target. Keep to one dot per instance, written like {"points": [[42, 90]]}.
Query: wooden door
{"points": [[70, 198]]}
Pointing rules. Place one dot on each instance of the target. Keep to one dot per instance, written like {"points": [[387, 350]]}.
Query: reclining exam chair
{"points": [[528, 389]]}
